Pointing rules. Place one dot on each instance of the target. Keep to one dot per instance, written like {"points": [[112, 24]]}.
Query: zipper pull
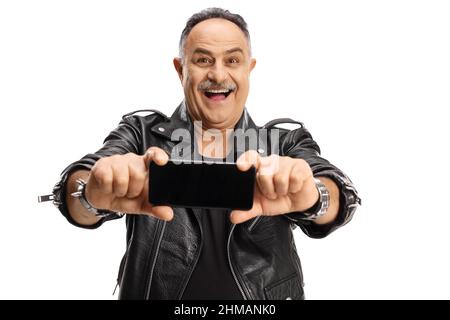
{"points": [[46, 197]]}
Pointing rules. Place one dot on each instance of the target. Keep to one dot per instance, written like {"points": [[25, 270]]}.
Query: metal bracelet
{"points": [[81, 195], [323, 202]]}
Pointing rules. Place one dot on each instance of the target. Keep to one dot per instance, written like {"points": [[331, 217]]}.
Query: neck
{"points": [[213, 143]]}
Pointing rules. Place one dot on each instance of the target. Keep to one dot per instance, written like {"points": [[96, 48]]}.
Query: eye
{"points": [[233, 60], [203, 61]]}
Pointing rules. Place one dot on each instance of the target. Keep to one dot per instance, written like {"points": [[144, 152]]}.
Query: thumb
{"points": [[239, 216], [162, 212], [248, 159], [158, 155]]}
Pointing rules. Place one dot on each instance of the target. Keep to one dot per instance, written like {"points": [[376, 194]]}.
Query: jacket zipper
{"points": [[298, 264], [196, 259], [158, 244], [231, 265], [254, 223], [125, 258]]}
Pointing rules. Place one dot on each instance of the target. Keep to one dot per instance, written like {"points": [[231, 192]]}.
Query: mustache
{"points": [[212, 85]]}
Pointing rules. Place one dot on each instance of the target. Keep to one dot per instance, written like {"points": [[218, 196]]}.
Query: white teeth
{"points": [[217, 91]]}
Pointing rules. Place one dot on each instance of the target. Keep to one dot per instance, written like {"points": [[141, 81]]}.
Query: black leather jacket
{"points": [[161, 256]]}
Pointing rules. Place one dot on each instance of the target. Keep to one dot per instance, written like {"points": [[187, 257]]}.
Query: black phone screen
{"points": [[201, 184]]}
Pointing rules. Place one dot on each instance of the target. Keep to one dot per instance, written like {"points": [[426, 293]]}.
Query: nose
{"points": [[217, 73]]}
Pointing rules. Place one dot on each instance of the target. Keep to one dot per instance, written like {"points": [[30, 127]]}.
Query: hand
{"points": [[283, 185], [120, 183]]}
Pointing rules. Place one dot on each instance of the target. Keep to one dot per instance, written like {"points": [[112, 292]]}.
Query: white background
{"points": [[370, 80]]}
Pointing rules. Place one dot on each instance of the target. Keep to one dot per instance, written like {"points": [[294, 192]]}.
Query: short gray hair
{"points": [[212, 13]]}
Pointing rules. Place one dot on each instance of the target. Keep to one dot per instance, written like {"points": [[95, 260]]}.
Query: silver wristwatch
{"points": [[322, 205], [81, 195]]}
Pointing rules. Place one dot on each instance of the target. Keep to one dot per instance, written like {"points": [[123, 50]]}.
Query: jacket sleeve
{"points": [[124, 139], [300, 144]]}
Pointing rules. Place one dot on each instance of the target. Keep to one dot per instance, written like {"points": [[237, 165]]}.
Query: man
{"points": [[185, 253]]}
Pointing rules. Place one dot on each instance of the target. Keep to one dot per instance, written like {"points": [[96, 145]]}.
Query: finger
{"points": [[138, 174], [295, 179], [265, 176], [248, 159], [158, 155], [120, 180], [300, 173], [103, 176], [269, 165], [265, 185], [281, 179]]}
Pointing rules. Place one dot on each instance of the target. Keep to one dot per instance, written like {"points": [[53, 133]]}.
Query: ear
{"points": [[252, 64], [178, 67]]}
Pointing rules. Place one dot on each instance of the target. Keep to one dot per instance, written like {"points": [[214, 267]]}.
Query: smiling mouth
{"points": [[217, 95]]}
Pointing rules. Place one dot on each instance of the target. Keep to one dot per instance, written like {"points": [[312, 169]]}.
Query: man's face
{"points": [[215, 73]]}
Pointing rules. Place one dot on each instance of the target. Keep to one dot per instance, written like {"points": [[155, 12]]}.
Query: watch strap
{"points": [[322, 204]]}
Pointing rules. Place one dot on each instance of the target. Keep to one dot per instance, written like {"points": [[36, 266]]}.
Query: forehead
{"points": [[216, 35]]}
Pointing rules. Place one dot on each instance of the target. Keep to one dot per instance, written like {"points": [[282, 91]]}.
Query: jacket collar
{"points": [[179, 120]]}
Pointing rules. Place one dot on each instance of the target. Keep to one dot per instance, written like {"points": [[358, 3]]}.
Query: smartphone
{"points": [[201, 185]]}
